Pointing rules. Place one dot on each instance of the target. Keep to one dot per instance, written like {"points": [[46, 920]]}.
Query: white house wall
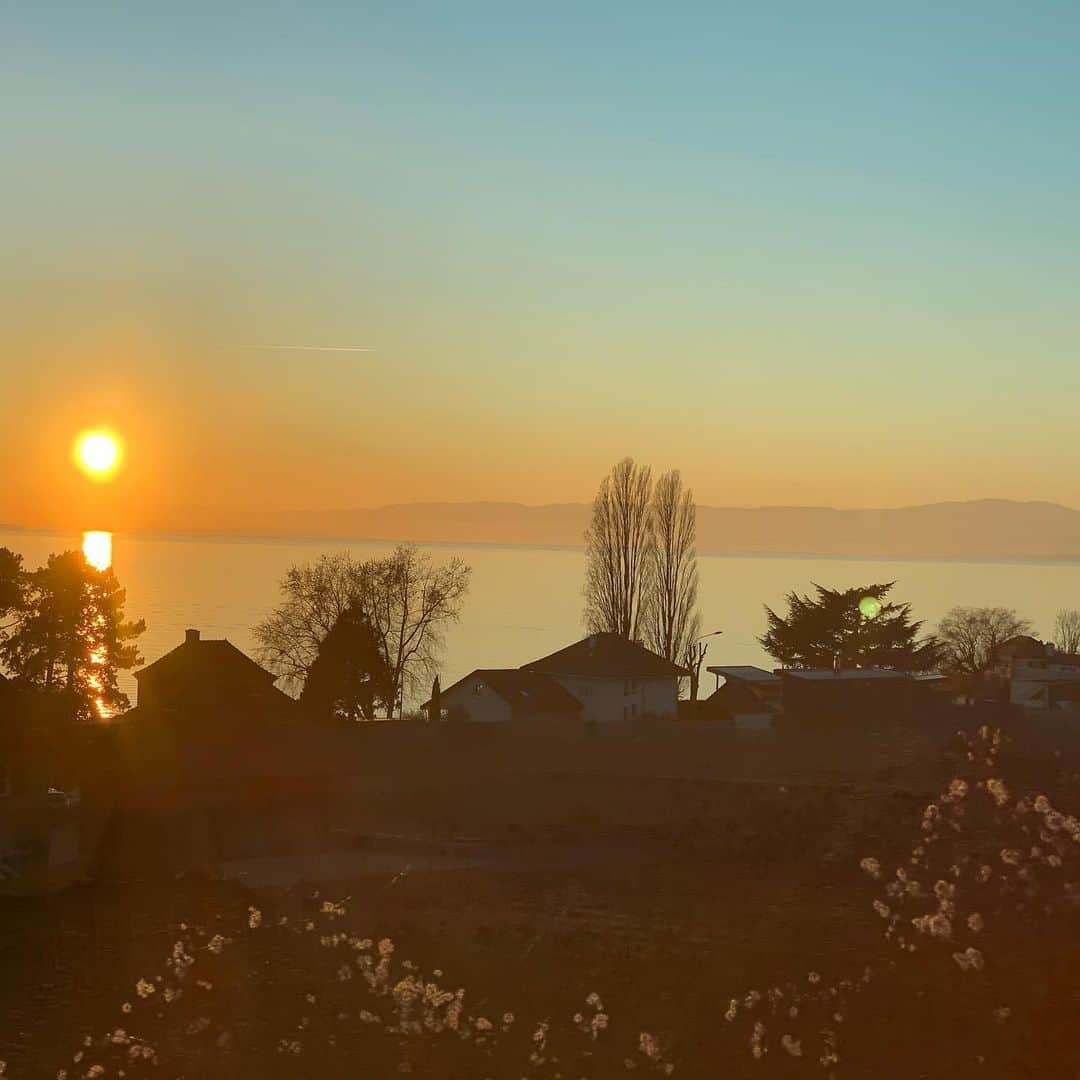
{"points": [[481, 706], [613, 701]]}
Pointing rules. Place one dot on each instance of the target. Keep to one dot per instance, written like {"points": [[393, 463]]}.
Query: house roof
{"points": [[1020, 647], [196, 655], [524, 691], [606, 656], [744, 673], [843, 675]]}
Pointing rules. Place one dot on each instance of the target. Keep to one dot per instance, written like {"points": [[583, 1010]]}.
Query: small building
{"points": [[1049, 682], [748, 698], [615, 680], [1021, 647], [209, 679], [505, 695], [1033, 674], [846, 693], [744, 679]]}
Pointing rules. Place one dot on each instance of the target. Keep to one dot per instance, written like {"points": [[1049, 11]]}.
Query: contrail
{"points": [[313, 348]]}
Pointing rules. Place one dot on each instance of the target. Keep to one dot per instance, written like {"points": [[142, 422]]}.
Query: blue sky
{"points": [[818, 254]]}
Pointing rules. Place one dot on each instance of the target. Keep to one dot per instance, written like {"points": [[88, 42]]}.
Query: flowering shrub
{"points": [[987, 880], [355, 1000]]}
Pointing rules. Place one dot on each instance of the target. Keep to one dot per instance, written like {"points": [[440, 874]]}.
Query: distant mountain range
{"points": [[983, 529]]}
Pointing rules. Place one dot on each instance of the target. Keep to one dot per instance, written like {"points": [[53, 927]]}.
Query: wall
{"points": [[485, 707], [606, 700]]}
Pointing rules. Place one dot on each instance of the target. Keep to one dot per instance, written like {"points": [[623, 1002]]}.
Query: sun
{"points": [[97, 453]]}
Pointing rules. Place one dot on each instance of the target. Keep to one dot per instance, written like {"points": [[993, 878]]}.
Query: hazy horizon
{"points": [[989, 529]]}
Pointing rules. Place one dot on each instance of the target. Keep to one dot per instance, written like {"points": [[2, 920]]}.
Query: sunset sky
{"points": [[810, 254]]}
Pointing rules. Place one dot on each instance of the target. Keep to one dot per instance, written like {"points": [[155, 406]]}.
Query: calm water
{"points": [[526, 602]]}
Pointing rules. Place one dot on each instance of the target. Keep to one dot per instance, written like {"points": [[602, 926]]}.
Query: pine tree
{"points": [[349, 675], [70, 634], [855, 627]]}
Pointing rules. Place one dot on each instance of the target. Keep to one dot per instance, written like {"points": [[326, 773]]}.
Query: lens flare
{"points": [[97, 453], [869, 607], [97, 549]]}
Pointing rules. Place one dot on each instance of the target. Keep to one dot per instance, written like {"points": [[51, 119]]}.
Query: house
{"points": [[1034, 675], [501, 695], [1048, 682], [1020, 647], [209, 679], [615, 679], [843, 693]]}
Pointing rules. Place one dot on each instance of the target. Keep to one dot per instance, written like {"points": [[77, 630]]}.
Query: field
{"points": [[667, 877]]}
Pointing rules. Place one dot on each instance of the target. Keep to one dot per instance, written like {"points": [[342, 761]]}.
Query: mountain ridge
{"points": [[981, 528]]}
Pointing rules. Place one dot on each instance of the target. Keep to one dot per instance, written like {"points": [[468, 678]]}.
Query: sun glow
{"points": [[97, 453], [97, 549]]}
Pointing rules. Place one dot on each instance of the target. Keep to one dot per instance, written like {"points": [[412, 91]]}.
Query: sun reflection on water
{"points": [[97, 549]]}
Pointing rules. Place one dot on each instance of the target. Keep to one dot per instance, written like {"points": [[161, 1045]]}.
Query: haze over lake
{"points": [[526, 601]]}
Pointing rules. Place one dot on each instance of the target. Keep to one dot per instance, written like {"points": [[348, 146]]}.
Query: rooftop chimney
{"points": [[191, 636]]}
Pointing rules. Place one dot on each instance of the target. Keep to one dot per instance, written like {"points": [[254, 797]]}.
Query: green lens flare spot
{"points": [[869, 607]]}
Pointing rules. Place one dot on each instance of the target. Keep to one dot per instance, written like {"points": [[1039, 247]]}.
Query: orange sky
{"points": [[216, 430], [791, 256]]}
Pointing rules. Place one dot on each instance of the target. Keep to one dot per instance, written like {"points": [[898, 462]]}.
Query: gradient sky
{"points": [[810, 254]]}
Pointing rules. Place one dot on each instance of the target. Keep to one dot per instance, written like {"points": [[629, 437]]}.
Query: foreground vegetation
{"points": [[970, 973]]}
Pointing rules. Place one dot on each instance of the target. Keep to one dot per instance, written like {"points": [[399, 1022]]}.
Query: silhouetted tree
{"points": [[412, 602], [968, 635], [1067, 631], [618, 552], [407, 600], [671, 621], [70, 634], [831, 628], [693, 658], [349, 675], [435, 706], [314, 597], [11, 588]]}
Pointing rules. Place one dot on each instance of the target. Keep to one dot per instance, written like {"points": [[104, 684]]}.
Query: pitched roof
{"points": [[195, 655], [524, 691], [1020, 647], [606, 656]]}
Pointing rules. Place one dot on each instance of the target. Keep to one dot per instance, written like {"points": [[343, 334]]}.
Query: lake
{"points": [[526, 602]]}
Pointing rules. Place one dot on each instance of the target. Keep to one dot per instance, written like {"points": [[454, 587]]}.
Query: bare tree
{"points": [[693, 658], [1067, 631], [406, 598], [412, 601], [314, 598], [968, 636], [672, 621], [618, 545]]}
